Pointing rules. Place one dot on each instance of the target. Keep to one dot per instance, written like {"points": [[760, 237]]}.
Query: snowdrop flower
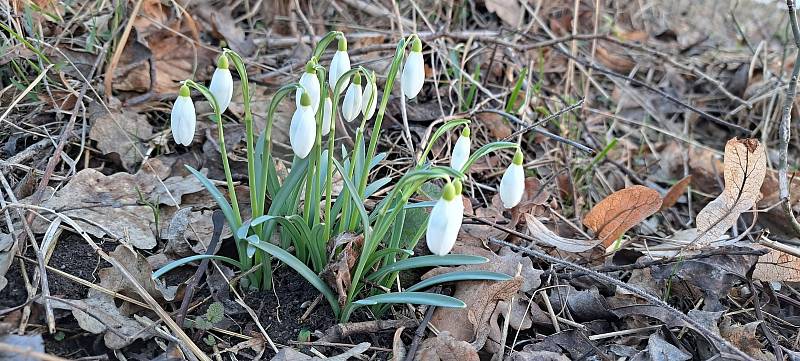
{"points": [[303, 129], [371, 91], [445, 221], [327, 109], [413, 71], [310, 83], [222, 84], [183, 118], [352, 100], [461, 151], [340, 64], [512, 185]]}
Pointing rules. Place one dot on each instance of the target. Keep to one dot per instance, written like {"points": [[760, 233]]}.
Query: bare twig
{"points": [[419, 333], [703, 330], [541, 131], [217, 219], [784, 129]]}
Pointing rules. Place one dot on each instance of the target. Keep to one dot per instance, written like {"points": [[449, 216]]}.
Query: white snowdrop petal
{"points": [[413, 75], [366, 108], [326, 116], [461, 153], [302, 131], [512, 185], [222, 88], [442, 229], [352, 102], [183, 120], [340, 64], [311, 84]]}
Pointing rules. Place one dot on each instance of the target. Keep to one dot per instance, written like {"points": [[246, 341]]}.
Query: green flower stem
{"points": [[399, 55], [238, 63], [325, 41], [329, 177], [241, 248]]}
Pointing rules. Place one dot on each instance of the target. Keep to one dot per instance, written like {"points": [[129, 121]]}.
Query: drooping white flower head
{"points": [[327, 110], [368, 105], [340, 64], [413, 71], [352, 99], [222, 84], [303, 129], [461, 151], [445, 221], [183, 117], [310, 83], [512, 185]]}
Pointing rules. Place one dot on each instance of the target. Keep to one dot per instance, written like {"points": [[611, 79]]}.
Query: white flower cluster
{"points": [[447, 214]]}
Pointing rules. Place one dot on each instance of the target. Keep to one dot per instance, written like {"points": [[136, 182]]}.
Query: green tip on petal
{"points": [[449, 191], [517, 157], [310, 67], [466, 132], [416, 45], [222, 62], [342, 43], [305, 100], [457, 186], [357, 79], [184, 92]]}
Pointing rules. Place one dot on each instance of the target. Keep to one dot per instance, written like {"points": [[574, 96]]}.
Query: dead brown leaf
{"points": [[777, 266], [120, 133], [744, 338], [472, 322], [445, 347], [620, 211], [510, 11], [745, 168], [337, 273], [496, 124], [614, 60], [675, 192]]}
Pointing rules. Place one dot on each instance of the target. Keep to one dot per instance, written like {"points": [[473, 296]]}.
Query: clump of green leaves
{"points": [[291, 208]]}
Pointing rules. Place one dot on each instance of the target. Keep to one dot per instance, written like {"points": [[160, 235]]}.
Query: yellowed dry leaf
{"points": [[620, 211], [541, 233], [675, 192], [745, 166], [777, 266], [509, 11]]}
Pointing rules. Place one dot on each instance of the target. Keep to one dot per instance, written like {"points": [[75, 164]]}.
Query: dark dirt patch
{"points": [[71, 255], [280, 311]]}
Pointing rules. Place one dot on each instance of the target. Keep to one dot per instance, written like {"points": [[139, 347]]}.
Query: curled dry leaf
{"points": [[446, 348], [620, 211], [541, 233], [745, 168], [675, 192], [120, 133]]}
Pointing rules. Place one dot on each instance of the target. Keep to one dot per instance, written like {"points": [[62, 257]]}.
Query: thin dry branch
{"points": [[784, 129]]}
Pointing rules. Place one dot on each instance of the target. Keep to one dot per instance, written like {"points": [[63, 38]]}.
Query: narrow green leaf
{"points": [[223, 204], [415, 298], [460, 276], [429, 261], [180, 262]]}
